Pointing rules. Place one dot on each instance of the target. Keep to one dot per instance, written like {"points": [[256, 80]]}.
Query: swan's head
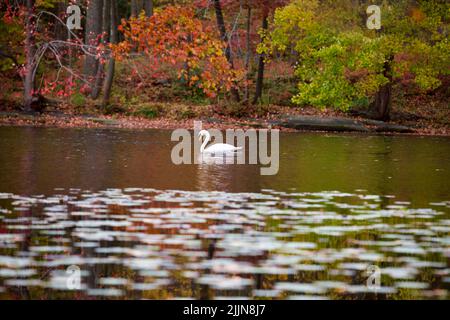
{"points": [[201, 134]]}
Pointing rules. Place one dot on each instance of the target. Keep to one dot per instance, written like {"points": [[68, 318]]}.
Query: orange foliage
{"points": [[176, 36]]}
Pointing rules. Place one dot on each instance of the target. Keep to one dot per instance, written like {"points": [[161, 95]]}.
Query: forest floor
{"points": [[183, 116]]}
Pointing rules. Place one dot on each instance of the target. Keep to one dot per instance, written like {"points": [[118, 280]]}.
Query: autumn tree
{"points": [[38, 51], [342, 64], [258, 12], [177, 37]]}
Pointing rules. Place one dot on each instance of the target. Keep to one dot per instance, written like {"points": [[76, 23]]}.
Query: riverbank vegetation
{"points": [[228, 58]]}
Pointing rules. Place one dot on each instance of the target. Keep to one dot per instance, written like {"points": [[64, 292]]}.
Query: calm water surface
{"points": [[111, 203]]}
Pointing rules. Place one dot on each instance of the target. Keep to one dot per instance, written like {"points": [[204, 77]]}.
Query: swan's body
{"points": [[215, 148]]}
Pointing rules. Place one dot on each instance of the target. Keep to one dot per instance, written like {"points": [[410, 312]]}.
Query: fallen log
{"points": [[380, 126], [323, 124]]}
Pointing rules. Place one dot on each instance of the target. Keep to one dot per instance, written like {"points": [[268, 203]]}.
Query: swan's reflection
{"points": [[216, 171], [220, 159]]}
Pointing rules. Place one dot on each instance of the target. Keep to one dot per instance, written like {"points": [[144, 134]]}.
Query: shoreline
{"points": [[298, 123]]}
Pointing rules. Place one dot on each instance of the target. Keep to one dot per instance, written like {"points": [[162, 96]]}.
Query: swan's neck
{"points": [[205, 142]]}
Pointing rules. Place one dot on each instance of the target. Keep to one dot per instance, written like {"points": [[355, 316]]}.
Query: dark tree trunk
{"points": [[93, 30], [381, 107], [248, 53], [138, 5], [30, 64], [148, 7], [261, 64], [224, 37], [61, 29], [111, 65], [106, 32], [134, 8], [222, 29]]}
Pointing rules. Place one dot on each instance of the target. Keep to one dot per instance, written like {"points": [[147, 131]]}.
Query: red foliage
{"points": [[176, 36]]}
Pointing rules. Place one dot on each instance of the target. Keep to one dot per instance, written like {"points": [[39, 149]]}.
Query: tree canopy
{"points": [[220, 49], [342, 64]]}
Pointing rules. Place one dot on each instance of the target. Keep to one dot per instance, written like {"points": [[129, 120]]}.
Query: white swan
{"points": [[215, 148]]}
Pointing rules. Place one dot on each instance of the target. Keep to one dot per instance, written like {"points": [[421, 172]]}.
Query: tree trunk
{"points": [[106, 32], [93, 30], [138, 5], [111, 65], [381, 107], [134, 8], [261, 64], [61, 29], [248, 53], [29, 51], [148, 7], [222, 28], [224, 37]]}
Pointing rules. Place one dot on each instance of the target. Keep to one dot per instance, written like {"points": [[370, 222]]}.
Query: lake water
{"points": [[110, 206]]}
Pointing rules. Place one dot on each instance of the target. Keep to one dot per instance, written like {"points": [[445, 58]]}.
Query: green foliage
{"points": [[147, 111], [340, 74], [342, 64], [186, 112], [11, 35], [46, 4], [78, 100]]}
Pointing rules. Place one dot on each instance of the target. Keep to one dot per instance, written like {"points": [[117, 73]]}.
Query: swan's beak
{"points": [[199, 137]]}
